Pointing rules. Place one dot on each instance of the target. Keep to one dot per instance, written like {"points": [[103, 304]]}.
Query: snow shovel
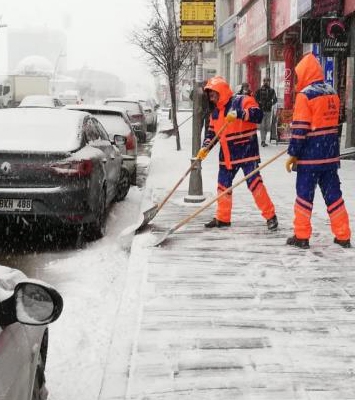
{"points": [[149, 214], [214, 199]]}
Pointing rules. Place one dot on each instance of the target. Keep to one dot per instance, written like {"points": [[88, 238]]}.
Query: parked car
{"points": [[150, 111], [26, 308], [135, 113], [119, 129], [70, 97], [41, 101], [57, 166]]}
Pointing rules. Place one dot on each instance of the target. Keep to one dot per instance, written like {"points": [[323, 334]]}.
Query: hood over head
{"points": [[221, 86], [308, 70]]}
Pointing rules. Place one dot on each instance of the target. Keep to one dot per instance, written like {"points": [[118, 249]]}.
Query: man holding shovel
{"points": [[314, 149], [238, 149]]}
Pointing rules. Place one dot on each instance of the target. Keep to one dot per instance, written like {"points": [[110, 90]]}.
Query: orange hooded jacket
{"points": [[314, 139], [238, 141]]}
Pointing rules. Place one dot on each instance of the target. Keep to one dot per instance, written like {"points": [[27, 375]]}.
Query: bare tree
{"points": [[165, 52]]}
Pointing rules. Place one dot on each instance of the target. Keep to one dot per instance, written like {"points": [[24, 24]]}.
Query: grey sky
{"points": [[97, 31]]}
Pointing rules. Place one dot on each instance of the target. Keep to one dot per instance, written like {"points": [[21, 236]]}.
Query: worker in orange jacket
{"points": [[314, 151], [239, 149]]}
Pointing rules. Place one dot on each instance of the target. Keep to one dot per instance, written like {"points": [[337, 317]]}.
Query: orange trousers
{"points": [[255, 185]]}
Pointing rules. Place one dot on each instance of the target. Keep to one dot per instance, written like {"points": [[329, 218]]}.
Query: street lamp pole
{"points": [[195, 194]]}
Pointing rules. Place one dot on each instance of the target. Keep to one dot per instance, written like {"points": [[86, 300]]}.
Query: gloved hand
{"points": [[202, 153], [233, 115], [291, 163]]}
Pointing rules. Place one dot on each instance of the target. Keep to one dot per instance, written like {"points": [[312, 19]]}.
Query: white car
{"points": [[41, 101], [150, 111], [116, 123], [27, 306]]}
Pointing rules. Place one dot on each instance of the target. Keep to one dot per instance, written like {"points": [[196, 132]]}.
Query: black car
{"points": [[57, 166]]}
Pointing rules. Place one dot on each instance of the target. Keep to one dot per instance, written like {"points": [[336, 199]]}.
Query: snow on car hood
{"points": [[40, 129]]}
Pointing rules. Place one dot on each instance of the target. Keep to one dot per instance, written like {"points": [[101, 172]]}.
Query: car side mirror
{"points": [[31, 303]]}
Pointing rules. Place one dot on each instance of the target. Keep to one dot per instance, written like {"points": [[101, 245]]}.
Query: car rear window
{"points": [[131, 107], [114, 124]]}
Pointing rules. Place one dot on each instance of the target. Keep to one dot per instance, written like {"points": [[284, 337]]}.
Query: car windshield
{"points": [[131, 107], [114, 124]]}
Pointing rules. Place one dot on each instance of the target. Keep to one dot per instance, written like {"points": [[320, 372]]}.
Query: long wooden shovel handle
{"points": [[261, 166], [192, 166]]}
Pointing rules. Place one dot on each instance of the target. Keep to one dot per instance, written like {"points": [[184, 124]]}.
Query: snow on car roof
{"points": [[35, 100], [96, 107], [40, 129]]}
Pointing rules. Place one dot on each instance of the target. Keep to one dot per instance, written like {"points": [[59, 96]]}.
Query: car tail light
{"points": [[130, 143], [78, 169]]}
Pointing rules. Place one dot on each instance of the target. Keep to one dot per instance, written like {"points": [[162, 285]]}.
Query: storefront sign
{"points": [[197, 20], [226, 32], [276, 52], [334, 38], [349, 6], [251, 31], [329, 70], [321, 7]]}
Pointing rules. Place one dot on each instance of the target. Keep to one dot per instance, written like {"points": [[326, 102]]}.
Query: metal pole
{"points": [[195, 194]]}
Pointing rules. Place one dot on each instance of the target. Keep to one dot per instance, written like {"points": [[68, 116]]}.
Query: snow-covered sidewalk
{"points": [[234, 313]]}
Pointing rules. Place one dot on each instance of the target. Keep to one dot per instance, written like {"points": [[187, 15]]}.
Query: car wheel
{"points": [[97, 229], [40, 391], [123, 184], [142, 137]]}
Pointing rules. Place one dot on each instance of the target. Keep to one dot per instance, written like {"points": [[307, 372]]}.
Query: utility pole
{"points": [[195, 194]]}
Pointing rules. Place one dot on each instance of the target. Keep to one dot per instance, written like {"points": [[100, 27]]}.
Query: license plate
{"points": [[15, 205]]}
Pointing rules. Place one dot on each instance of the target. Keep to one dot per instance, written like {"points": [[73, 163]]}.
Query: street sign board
{"points": [[197, 19]]}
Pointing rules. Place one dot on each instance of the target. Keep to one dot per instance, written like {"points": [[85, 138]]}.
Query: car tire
{"points": [[40, 391], [97, 229], [123, 184], [142, 137]]}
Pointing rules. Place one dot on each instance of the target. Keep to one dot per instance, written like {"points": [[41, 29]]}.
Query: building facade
{"points": [[258, 38]]}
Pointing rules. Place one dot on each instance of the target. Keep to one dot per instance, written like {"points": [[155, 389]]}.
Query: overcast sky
{"points": [[97, 31]]}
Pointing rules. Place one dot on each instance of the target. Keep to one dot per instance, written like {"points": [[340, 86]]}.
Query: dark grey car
{"points": [[59, 166]]}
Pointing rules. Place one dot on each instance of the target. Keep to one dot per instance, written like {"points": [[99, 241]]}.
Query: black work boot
{"points": [[272, 223], [343, 243], [215, 223], [301, 243]]}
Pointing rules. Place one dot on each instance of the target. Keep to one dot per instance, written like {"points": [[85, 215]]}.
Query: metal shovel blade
{"points": [[148, 215], [162, 238]]}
